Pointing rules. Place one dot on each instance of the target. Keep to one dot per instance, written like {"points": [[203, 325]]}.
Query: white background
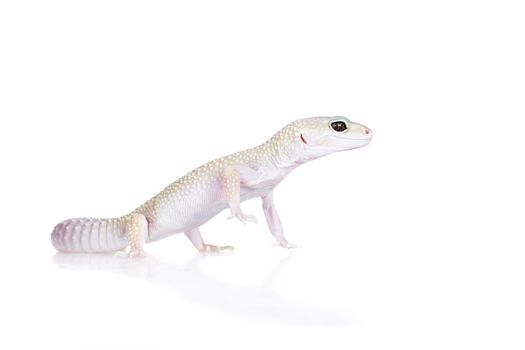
{"points": [[414, 242]]}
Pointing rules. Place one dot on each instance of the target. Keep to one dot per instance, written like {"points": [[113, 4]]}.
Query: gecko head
{"points": [[324, 135]]}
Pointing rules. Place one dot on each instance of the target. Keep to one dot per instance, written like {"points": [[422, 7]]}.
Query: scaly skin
{"points": [[223, 183]]}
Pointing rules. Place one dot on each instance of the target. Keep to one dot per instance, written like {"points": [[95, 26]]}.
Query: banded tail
{"points": [[85, 235]]}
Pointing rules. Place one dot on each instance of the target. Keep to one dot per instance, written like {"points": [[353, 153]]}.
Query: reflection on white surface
{"points": [[190, 283]]}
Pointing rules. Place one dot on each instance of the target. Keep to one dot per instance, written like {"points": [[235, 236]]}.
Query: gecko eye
{"points": [[338, 126]]}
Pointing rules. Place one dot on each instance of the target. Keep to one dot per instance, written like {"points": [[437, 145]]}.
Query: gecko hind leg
{"points": [[137, 231], [195, 237]]}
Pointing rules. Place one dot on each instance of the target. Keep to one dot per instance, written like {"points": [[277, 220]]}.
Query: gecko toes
{"points": [[209, 249], [226, 250], [131, 254], [250, 218], [285, 244]]}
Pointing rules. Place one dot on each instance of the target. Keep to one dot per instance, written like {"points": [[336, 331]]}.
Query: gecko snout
{"points": [[366, 132]]}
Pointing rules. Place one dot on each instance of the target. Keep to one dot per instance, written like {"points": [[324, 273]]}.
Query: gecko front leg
{"points": [[273, 220], [231, 181]]}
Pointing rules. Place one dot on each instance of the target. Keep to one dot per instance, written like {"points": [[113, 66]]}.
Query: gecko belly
{"points": [[193, 214]]}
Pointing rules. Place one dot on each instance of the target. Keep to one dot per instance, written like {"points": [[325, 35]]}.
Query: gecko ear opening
{"points": [[303, 139]]}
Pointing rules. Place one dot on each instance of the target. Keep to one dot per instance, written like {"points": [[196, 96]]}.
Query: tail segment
{"points": [[85, 235]]}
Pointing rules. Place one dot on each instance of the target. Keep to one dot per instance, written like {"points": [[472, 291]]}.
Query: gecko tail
{"points": [[89, 235]]}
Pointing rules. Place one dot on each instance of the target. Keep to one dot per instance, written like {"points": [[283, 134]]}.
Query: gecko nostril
{"points": [[367, 131]]}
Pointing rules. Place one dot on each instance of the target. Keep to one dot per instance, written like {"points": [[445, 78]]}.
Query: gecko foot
{"points": [[209, 249], [244, 218], [138, 254], [285, 244], [132, 253]]}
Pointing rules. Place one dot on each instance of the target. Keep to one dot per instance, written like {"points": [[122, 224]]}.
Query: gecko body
{"points": [[195, 198]]}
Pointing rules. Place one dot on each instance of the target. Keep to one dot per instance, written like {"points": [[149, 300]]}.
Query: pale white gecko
{"points": [[198, 196]]}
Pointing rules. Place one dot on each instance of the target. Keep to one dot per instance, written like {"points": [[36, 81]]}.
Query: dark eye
{"points": [[338, 126]]}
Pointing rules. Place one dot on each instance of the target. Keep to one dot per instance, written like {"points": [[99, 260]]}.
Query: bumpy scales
{"points": [[223, 183]]}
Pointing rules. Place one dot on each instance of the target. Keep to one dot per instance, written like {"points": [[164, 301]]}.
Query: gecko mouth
{"points": [[355, 138]]}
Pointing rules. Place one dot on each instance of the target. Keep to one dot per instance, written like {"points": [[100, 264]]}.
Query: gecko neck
{"points": [[287, 155]]}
